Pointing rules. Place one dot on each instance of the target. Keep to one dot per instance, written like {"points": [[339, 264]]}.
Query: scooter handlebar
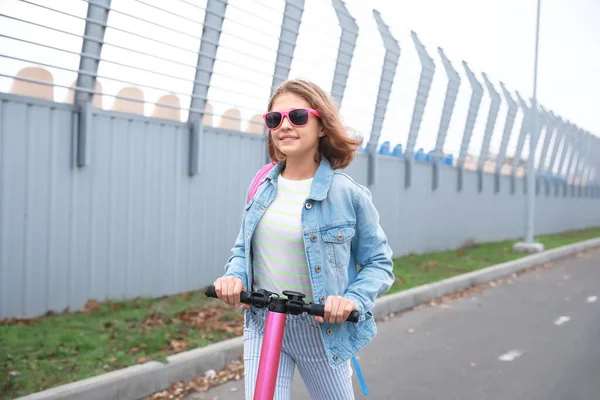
{"points": [[258, 299]]}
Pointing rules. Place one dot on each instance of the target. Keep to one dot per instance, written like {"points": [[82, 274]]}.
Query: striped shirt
{"points": [[278, 257]]}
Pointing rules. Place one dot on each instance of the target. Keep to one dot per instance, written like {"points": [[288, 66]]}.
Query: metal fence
{"points": [[130, 130]]}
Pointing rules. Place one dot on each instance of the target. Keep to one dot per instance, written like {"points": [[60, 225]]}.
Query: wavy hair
{"points": [[337, 146]]}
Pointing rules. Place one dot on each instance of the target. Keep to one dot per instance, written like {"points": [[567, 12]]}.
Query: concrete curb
{"points": [[142, 380]]}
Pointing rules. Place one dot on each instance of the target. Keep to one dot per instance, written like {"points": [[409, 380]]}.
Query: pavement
{"points": [[536, 336]]}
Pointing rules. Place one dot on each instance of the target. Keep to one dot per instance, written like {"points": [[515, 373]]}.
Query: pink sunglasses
{"points": [[298, 117]]}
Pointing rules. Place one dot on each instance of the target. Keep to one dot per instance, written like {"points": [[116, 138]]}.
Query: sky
{"points": [[492, 36]]}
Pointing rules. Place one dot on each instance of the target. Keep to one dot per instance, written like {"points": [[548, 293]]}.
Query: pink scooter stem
{"points": [[277, 310], [269, 356]]}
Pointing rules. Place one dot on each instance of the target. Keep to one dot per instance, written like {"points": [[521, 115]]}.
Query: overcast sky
{"points": [[493, 36]]}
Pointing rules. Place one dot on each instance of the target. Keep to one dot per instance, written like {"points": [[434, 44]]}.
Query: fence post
{"points": [[477, 94], [567, 148], [595, 172], [508, 127], [290, 26], [585, 171], [449, 101], [580, 162], [558, 139], [425, 80], [345, 50], [390, 62], [207, 54], [547, 121], [520, 143], [573, 159], [585, 175], [489, 129], [288, 35], [95, 28]]}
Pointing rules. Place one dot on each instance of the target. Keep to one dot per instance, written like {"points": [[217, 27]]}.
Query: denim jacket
{"points": [[346, 250]]}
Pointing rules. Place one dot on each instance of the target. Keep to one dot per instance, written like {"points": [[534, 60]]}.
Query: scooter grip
{"points": [[319, 311], [210, 292]]}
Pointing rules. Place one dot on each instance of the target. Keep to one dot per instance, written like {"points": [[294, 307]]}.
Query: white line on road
{"points": [[510, 356], [592, 299], [562, 320]]}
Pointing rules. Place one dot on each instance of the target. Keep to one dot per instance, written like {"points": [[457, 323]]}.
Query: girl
{"points": [[312, 229]]}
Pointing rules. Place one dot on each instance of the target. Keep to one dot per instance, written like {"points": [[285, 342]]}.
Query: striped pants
{"points": [[303, 347]]}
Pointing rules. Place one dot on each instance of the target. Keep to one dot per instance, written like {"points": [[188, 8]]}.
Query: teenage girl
{"points": [[312, 229]]}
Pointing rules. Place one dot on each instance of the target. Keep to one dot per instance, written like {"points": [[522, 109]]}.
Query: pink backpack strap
{"points": [[257, 179]]}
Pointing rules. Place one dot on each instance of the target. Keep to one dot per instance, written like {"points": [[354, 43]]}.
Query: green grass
{"points": [[56, 349], [416, 270]]}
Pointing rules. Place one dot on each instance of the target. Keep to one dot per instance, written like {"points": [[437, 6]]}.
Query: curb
{"points": [[142, 380]]}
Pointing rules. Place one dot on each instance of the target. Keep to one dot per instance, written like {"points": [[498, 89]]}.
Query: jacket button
{"points": [[340, 236], [318, 268], [329, 331], [321, 299], [308, 205], [335, 358], [313, 238]]}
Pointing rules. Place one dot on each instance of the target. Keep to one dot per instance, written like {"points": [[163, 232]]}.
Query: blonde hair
{"points": [[337, 146]]}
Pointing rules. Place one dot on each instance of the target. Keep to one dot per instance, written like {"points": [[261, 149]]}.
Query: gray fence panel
{"points": [[134, 223]]}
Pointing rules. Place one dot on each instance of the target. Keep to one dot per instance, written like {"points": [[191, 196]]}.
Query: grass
{"points": [[56, 349], [53, 350], [416, 270]]}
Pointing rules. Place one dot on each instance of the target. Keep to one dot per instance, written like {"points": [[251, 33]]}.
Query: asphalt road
{"points": [[535, 337]]}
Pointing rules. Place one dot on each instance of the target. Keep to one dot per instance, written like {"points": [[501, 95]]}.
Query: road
{"points": [[533, 337]]}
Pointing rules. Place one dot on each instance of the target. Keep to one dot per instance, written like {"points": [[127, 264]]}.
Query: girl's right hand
{"points": [[228, 289]]}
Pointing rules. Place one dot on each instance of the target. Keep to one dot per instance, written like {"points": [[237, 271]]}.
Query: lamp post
{"points": [[529, 245]]}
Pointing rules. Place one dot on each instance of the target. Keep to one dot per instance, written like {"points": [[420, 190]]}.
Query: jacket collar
{"points": [[321, 181]]}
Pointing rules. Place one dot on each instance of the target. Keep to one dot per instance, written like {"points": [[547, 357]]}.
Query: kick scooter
{"points": [[278, 308]]}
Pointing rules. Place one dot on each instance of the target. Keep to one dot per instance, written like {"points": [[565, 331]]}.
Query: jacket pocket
{"points": [[337, 243]]}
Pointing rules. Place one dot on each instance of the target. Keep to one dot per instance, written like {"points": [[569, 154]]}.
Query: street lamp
{"points": [[529, 245]]}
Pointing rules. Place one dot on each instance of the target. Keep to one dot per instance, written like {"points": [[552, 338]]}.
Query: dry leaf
{"points": [[91, 305], [179, 345]]}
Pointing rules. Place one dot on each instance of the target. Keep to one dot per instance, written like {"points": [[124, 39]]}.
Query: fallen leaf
{"points": [[179, 345], [473, 364], [91, 305], [411, 331]]}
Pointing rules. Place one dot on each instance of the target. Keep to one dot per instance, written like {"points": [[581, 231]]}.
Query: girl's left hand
{"points": [[337, 310]]}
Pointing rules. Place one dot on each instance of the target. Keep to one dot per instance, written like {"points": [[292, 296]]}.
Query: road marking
{"points": [[510, 356], [592, 299], [562, 320]]}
